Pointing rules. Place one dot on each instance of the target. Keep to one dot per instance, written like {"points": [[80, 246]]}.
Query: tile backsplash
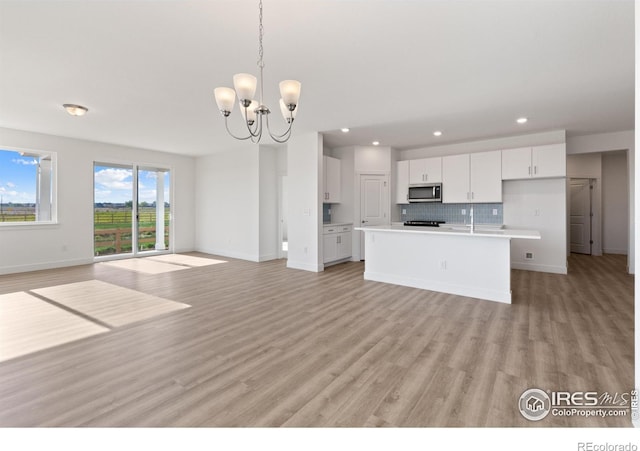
{"points": [[326, 213], [452, 213]]}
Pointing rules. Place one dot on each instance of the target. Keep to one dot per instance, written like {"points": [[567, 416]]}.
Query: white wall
{"points": [[615, 203], [304, 170], [372, 159], [227, 195], [538, 204], [268, 220], [70, 241]]}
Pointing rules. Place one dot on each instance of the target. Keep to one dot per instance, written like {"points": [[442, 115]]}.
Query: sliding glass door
{"points": [[131, 209], [153, 209]]}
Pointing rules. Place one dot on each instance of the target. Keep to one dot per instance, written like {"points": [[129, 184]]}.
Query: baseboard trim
{"points": [[267, 257], [230, 254], [554, 269], [304, 266], [615, 251], [46, 265]]}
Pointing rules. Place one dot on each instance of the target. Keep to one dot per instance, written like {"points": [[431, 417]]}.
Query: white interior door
{"points": [[374, 204], [580, 216]]}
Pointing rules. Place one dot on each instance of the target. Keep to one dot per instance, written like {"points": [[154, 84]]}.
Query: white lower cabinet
{"points": [[336, 242]]}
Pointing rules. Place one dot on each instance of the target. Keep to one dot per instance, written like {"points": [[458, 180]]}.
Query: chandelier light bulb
{"points": [[290, 92], [245, 85], [225, 99]]}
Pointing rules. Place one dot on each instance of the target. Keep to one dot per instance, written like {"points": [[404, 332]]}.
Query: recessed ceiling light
{"points": [[344, 130], [437, 133], [75, 110], [376, 143], [522, 120]]}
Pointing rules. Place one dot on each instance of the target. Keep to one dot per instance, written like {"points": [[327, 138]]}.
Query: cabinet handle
{"points": [[426, 177], [535, 169], [471, 194], [529, 170], [339, 239]]}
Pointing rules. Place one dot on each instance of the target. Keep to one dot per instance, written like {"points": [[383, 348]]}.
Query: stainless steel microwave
{"points": [[428, 192]]}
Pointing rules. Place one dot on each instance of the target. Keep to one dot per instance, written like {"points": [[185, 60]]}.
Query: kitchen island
{"points": [[452, 260]]}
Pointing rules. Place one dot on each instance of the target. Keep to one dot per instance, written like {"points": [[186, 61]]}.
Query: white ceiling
{"points": [[391, 70]]}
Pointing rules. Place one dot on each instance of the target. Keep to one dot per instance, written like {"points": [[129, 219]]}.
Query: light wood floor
{"points": [[266, 346]]}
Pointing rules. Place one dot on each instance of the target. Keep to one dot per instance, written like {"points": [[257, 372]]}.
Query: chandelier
{"points": [[255, 113]]}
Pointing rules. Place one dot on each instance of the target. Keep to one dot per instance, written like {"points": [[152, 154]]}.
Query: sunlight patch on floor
{"points": [[29, 324], [110, 304]]}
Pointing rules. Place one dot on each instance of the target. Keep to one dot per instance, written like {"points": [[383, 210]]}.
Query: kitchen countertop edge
{"points": [[502, 233]]}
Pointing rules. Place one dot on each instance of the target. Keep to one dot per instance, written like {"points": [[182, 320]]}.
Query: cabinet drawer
{"points": [[329, 229]]}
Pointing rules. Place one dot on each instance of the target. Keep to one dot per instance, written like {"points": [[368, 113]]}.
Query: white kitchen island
{"points": [[450, 260]]}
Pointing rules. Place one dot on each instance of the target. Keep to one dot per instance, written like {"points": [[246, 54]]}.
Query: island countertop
{"points": [[457, 230]]}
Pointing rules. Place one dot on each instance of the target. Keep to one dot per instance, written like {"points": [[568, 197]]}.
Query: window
{"points": [[27, 187]]}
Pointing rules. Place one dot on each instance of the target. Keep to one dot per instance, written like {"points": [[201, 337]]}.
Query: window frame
{"points": [[53, 221]]}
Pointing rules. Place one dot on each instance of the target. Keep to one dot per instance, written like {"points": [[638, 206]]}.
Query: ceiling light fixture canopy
{"points": [[75, 110], [254, 112]]}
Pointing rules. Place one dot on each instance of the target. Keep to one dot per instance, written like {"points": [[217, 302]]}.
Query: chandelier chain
{"points": [[260, 34]]}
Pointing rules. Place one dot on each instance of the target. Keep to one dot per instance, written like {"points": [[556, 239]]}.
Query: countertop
{"points": [[336, 224], [457, 230]]}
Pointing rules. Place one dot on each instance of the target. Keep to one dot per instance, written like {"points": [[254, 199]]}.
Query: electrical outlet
{"points": [[464, 212], [528, 255], [443, 264], [404, 211], [329, 211], [536, 212], [306, 250], [495, 212]]}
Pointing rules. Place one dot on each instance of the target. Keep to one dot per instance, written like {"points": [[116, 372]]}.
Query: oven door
{"points": [[425, 193]]}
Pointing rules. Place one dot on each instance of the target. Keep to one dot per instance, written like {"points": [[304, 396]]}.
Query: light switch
{"points": [[495, 212], [464, 212], [404, 211]]}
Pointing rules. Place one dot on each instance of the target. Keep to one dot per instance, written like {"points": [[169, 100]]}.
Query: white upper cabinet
{"points": [[516, 163], [425, 170], [402, 182], [486, 176], [549, 160], [455, 179], [331, 180], [472, 178], [538, 161]]}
